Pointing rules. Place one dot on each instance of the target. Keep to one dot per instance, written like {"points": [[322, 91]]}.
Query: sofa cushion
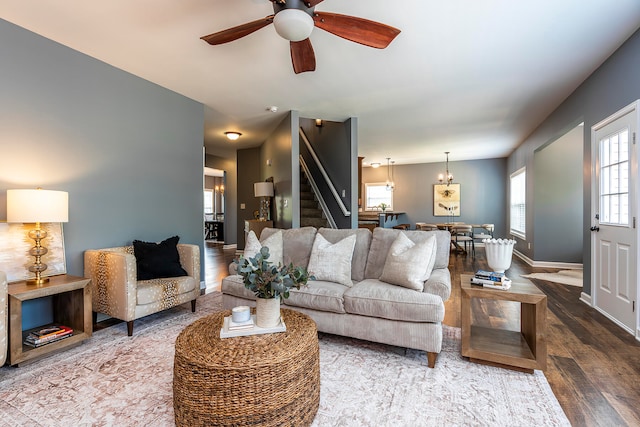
{"points": [[332, 262], [384, 237], [296, 244], [360, 251], [318, 295], [409, 264], [234, 285], [374, 298], [166, 290], [273, 242], [156, 260]]}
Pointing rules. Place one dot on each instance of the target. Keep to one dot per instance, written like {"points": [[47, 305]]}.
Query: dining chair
{"points": [[463, 234], [426, 227], [486, 232]]}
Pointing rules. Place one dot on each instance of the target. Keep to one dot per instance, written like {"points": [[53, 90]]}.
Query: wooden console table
{"points": [[71, 307], [523, 350]]}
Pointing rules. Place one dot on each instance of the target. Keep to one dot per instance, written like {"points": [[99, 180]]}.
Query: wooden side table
{"points": [[71, 307], [256, 225], [523, 350]]}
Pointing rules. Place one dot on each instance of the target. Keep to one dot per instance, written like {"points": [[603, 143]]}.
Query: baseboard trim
{"points": [[586, 298], [548, 264]]}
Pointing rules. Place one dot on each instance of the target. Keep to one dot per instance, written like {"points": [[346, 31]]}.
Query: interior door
{"points": [[614, 234]]}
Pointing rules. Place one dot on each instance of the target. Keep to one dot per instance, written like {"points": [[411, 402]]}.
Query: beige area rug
{"points": [[566, 277], [115, 380]]}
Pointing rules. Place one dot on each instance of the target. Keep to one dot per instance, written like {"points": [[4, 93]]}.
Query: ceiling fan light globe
{"points": [[293, 24]]}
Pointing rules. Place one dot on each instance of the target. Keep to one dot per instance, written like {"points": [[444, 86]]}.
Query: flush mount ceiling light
{"points": [[293, 24], [375, 165], [233, 135]]}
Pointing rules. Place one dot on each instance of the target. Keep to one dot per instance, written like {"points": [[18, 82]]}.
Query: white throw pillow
{"points": [[409, 264], [274, 243], [332, 262]]}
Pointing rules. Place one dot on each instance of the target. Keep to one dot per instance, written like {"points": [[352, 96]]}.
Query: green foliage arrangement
{"points": [[267, 280]]}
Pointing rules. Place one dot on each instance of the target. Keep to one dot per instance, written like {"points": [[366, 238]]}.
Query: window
{"points": [[614, 179], [375, 194], [518, 204], [208, 201]]}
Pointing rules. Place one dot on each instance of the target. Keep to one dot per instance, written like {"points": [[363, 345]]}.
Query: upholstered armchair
{"points": [[4, 318], [118, 293]]}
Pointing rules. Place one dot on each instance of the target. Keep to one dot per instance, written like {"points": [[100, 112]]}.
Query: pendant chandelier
{"points": [[448, 177], [390, 184]]}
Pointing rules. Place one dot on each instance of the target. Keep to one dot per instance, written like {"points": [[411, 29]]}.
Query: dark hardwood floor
{"points": [[593, 366]]}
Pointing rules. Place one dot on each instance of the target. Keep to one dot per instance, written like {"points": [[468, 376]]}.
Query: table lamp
{"points": [[264, 190], [37, 206]]}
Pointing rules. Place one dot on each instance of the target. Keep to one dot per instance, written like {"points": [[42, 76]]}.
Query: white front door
{"points": [[614, 240]]}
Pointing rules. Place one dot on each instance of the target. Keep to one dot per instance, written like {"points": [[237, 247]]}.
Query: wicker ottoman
{"points": [[269, 380]]}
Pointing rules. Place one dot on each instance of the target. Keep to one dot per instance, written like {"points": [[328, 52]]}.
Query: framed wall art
{"points": [[15, 244], [446, 200]]}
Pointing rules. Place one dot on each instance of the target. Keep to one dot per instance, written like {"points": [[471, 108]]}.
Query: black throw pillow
{"points": [[157, 260]]}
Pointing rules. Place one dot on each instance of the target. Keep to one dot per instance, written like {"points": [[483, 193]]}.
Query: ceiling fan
{"points": [[294, 20]]}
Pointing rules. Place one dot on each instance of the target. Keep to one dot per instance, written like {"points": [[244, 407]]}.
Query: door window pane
{"points": [[614, 179]]}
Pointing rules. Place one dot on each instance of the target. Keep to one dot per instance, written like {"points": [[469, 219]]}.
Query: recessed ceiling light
{"points": [[233, 135]]}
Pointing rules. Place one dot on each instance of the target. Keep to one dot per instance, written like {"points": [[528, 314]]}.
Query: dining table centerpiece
{"points": [[269, 283]]}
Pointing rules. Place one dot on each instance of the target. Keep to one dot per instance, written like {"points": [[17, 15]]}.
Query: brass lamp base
{"points": [[38, 251], [37, 282]]}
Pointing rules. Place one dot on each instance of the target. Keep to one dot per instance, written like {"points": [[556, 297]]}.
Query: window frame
{"points": [[210, 195], [375, 208], [519, 230]]}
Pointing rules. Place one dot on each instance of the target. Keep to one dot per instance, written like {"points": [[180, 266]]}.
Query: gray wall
{"points": [[128, 151], [249, 173], [558, 194], [614, 85], [482, 188], [281, 149]]}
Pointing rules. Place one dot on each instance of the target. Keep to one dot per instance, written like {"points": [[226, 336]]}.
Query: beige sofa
{"points": [[4, 318], [118, 293], [370, 309]]}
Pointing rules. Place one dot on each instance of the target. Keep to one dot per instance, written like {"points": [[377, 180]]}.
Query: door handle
{"points": [[595, 228]]}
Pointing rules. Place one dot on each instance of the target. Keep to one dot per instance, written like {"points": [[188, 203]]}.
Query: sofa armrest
{"points": [[190, 259], [4, 319], [439, 283], [113, 277]]}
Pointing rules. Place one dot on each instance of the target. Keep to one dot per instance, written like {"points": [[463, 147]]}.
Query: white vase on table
{"points": [[499, 252], [268, 312]]}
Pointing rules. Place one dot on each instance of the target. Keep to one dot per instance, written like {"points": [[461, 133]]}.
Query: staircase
{"points": [[310, 211]]}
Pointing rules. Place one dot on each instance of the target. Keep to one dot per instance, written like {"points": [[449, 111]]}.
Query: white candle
{"points": [[240, 313]]}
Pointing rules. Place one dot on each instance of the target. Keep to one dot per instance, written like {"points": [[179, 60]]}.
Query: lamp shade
{"points": [[29, 206], [293, 24], [263, 189]]}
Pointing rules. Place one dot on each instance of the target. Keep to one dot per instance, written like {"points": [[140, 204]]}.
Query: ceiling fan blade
{"points": [[234, 33], [359, 30], [302, 56]]}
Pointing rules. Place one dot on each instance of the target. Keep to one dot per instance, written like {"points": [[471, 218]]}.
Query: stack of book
{"points": [[235, 326], [491, 279], [47, 335]]}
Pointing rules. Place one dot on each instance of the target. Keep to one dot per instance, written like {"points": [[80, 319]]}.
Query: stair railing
{"points": [[328, 181], [314, 187]]}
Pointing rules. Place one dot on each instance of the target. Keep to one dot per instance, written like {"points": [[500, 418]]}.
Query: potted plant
{"points": [[269, 283], [383, 206]]}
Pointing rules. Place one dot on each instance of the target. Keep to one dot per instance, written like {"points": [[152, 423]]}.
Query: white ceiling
{"points": [[466, 76]]}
